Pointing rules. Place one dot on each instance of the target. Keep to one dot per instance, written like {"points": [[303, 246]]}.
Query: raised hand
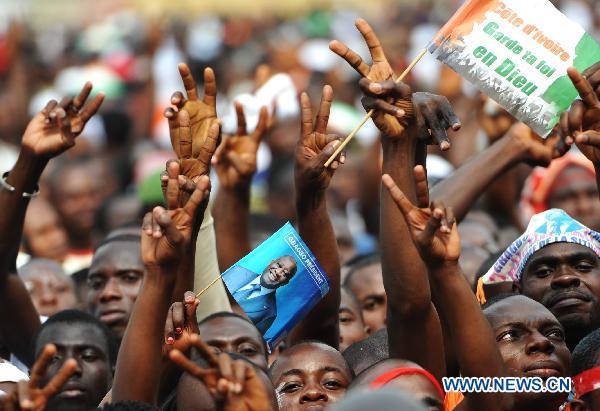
{"points": [[181, 324], [316, 146], [432, 227], [167, 233], [592, 75], [536, 150], [28, 396], [233, 382], [235, 158], [192, 122], [582, 122], [54, 129]]}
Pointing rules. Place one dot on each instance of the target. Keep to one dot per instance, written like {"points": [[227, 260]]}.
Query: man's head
{"points": [[75, 191], [309, 375], [114, 280], [279, 272], [586, 357], [232, 333], [352, 325], [575, 191], [531, 342], [43, 233], [82, 337], [565, 277], [365, 280], [404, 376], [49, 287], [363, 354]]}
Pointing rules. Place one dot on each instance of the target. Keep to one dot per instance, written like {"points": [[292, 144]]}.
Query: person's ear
{"points": [[579, 405]]}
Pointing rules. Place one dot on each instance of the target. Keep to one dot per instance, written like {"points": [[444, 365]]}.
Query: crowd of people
{"points": [[141, 161]]}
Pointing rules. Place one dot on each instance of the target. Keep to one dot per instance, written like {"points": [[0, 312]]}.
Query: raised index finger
{"points": [[188, 81], [583, 87], [41, 364], [350, 56], [210, 87], [60, 378], [400, 199], [324, 109], [372, 41], [307, 122]]}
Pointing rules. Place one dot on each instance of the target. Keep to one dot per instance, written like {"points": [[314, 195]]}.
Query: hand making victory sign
{"points": [[169, 232], [192, 123], [432, 227], [234, 383], [28, 396], [54, 129], [235, 158], [315, 146]]}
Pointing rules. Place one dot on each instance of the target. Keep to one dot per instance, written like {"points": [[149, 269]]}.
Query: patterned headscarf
{"points": [[552, 226]]}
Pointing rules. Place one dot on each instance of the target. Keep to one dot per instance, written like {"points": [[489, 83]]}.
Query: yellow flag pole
{"points": [[370, 113]]}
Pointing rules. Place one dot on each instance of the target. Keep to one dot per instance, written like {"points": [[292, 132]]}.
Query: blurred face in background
{"points": [[366, 283], [575, 191], [77, 197], [43, 232], [51, 290]]}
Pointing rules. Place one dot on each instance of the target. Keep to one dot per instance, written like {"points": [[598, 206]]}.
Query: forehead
{"points": [[120, 255], [72, 335], [518, 309], [369, 276], [348, 301], [43, 272], [229, 328], [310, 359]]}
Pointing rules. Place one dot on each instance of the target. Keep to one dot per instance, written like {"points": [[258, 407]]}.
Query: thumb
{"points": [[190, 302], [328, 151]]}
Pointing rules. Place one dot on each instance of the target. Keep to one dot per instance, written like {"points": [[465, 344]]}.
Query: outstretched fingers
{"points": [[188, 81], [56, 383], [350, 56], [398, 196], [372, 41], [241, 119], [307, 116], [586, 92], [422, 188], [324, 109], [210, 88]]}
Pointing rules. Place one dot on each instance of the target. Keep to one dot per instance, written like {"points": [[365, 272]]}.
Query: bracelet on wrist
{"points": [[11, 189]]}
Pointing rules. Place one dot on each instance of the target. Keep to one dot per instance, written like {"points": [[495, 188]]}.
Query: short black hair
{"points": [[224, 314], [128, 406], [497, 298], [363, 354], [360, 262], [586, 354], [79, 317]]}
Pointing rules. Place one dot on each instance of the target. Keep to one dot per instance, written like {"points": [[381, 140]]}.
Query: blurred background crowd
{"points": [[129, 49]]}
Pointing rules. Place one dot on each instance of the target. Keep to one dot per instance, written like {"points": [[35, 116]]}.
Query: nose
{"points": [[111, 291], [565, 278], [539, 343], [313, 393], [47, 296]]}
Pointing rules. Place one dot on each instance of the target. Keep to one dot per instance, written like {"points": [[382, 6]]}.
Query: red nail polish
{"points": [[178, 330], [170, 340]]}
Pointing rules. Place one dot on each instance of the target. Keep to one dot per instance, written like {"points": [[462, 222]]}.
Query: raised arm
{"points": [[194, 153], [166, 234], [414, 330], [435, 235], [50, 132], [314, 147], [235, 164]]}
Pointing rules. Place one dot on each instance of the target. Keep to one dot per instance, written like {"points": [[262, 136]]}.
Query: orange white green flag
{"points": [[517, 52]]}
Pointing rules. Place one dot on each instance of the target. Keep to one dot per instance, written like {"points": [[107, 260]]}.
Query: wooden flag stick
{"points": [[205, 289], [370, 113]]}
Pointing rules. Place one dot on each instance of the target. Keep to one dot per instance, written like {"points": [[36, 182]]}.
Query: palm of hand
{"points": [[193, 168], [46, 139], [202, 116], [443, 247], [245, 149], [307, 152]]}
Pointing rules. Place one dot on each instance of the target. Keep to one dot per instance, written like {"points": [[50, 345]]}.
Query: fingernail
{"points": [[238, 388], [400, 113], [444, 145], [170, 340], [375, 87], [178, 330]]}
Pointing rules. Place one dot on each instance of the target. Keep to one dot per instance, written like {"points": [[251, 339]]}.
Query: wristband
{"points": [[10, 188]]}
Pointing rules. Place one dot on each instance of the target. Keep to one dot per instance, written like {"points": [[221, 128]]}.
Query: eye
{"points": [[556, 333], [89, 355], [333, 384], [542, 272], [346, 318], [290, 387], [508, 336], [247, 350], [131, 277], [370, 304], [584, 266], [96, 282]]}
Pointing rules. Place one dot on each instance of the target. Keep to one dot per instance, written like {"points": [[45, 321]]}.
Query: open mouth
{"points": [[272, 276]]}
